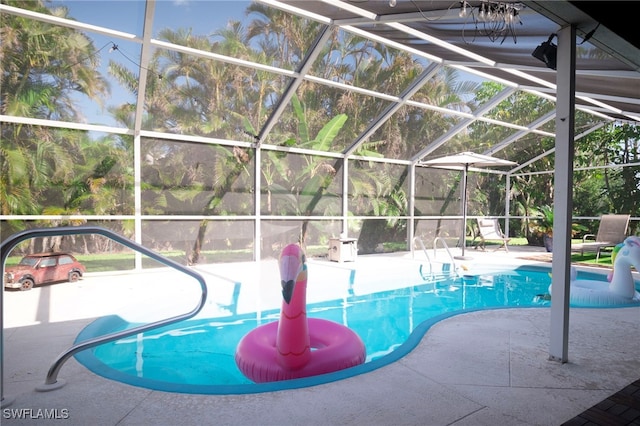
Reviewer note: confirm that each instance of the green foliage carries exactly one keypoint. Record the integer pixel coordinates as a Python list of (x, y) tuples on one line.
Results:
[(609, 189), (543, 223)]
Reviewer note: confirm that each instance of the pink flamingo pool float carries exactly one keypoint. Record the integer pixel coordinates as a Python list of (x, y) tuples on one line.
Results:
[(296, 346)]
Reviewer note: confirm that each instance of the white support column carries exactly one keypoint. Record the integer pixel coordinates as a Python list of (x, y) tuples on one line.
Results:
[(507, 203), (411, 226), (137, 197), (345, 196), (145, 57), (257, 222), (563, 195)]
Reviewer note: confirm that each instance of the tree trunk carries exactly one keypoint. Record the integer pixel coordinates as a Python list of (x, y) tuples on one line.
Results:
[(242, 159), (337, 166), (194, 257)]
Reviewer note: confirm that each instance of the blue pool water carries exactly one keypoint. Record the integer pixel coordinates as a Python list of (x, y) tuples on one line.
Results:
[(197, 356)]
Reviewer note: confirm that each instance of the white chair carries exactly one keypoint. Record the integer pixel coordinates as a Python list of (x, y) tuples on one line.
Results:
[(488, 230), (612, 231)]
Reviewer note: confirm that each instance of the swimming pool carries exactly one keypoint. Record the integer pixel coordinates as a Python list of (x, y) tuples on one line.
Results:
[(390, 315)]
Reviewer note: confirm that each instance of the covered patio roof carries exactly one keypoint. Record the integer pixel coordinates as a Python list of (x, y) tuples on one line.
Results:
[(460, 34), (473, 36)]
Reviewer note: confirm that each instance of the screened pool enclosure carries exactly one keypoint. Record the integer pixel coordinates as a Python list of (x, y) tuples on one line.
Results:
[(239, 127)]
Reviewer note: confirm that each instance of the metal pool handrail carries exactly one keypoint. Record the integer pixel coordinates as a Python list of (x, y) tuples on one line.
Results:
[(51, 381), (445, 246), (418, 240), (424, 250)]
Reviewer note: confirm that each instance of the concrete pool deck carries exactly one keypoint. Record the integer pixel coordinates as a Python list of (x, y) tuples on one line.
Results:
[(488, 367)]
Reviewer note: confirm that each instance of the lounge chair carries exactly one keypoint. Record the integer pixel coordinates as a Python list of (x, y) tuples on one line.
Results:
[(489, 229), (612, 231)]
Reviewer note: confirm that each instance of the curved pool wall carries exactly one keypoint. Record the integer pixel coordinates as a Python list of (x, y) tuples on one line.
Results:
[(104, 325), (95, 365)]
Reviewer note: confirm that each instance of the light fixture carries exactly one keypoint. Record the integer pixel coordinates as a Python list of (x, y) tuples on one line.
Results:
[(463, 10), (547, 52), (392, 3), (493, 19)]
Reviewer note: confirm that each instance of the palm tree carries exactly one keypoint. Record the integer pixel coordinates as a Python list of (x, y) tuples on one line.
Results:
[(190, 95), (42, 67)]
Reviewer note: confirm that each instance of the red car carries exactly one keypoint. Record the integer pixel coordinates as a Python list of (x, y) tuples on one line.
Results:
[(42, 268)]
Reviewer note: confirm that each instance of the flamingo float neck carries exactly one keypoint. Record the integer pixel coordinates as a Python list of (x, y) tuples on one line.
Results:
[(292, 340)]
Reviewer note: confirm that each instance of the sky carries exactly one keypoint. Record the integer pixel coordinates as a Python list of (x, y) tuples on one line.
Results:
[(128, 15), (202, 16)]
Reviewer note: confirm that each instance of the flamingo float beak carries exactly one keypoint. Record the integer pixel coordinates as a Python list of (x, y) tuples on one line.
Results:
[(292, 267), (287, 290)]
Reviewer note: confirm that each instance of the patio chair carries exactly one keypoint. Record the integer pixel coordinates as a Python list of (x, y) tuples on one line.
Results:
[(612, 231), (489, 229)]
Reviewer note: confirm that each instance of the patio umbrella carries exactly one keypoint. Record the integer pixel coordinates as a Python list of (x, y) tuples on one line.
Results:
[(464, 160)]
